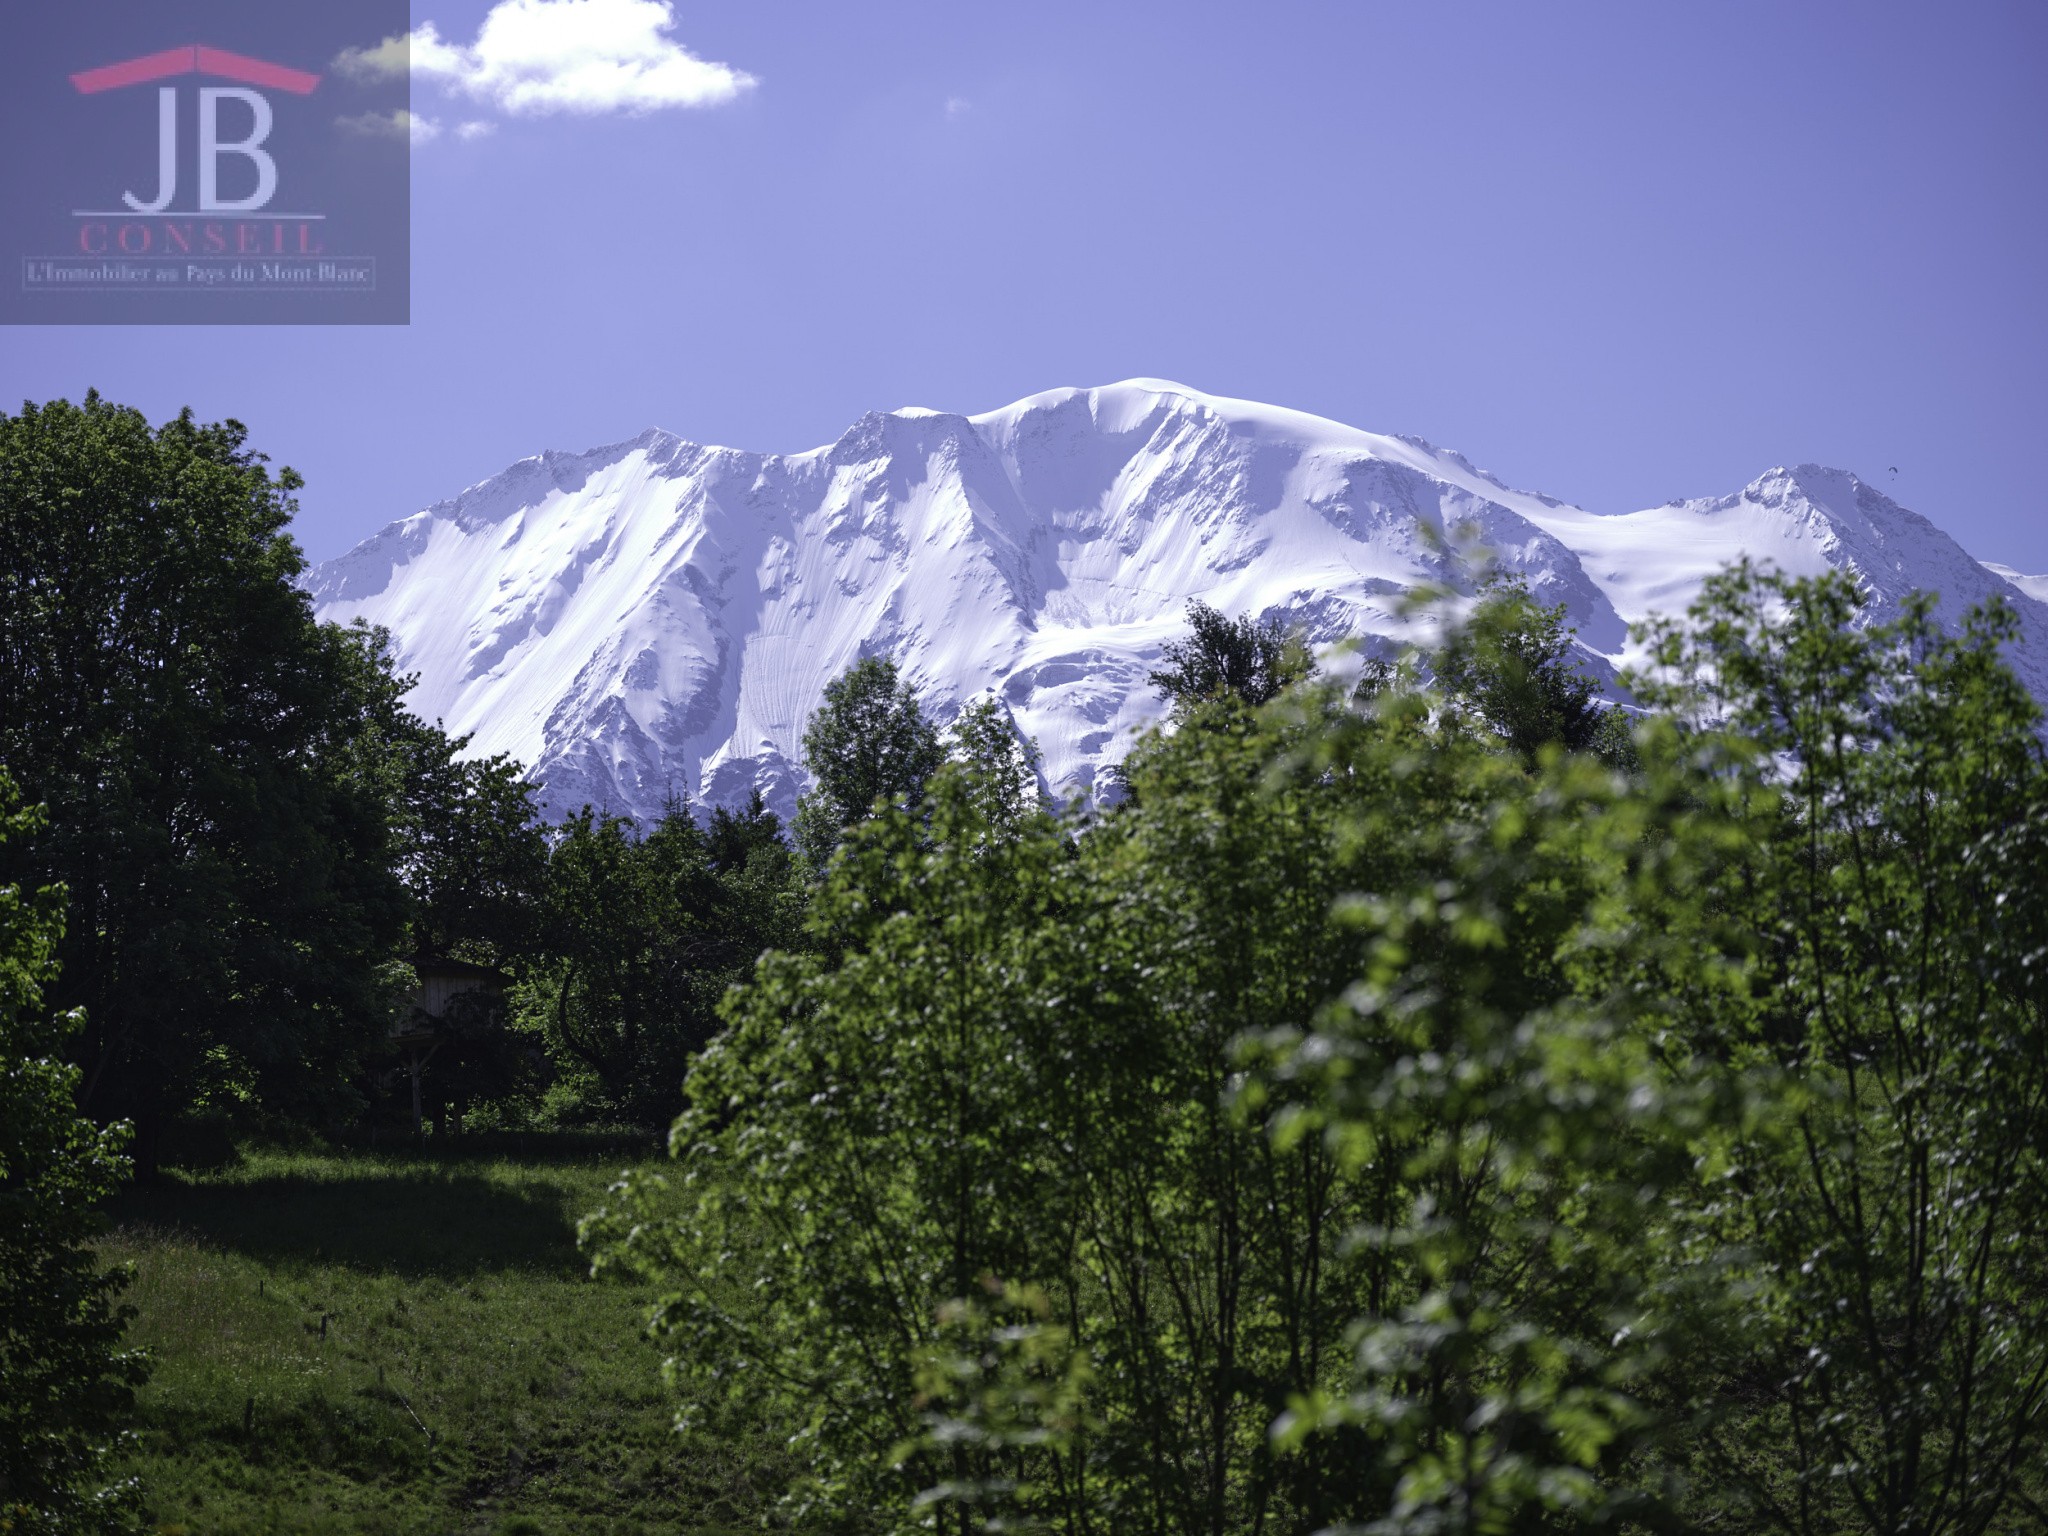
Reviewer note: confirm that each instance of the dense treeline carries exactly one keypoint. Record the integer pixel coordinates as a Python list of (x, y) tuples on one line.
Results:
[(250, 830), (239, 845), (645, 933), (1391, 1118), (256, 841)]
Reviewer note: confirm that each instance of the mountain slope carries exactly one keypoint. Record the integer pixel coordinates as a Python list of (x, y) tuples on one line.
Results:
[(658, 617)]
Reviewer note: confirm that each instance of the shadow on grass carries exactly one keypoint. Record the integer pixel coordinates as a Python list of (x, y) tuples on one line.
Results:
[(529, 1147), (410, 1219)]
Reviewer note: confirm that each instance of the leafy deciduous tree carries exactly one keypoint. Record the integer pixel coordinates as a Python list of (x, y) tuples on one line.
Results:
[(644, 935), (1248, 659), (165, 691), (65, 1380), (734, 838), (1509, 668), (869, 743), (1410, 1127), (1900, 1360)]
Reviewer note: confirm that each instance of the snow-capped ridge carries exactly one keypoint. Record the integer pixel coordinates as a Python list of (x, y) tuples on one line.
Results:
[(2035, 587), (659, 615)]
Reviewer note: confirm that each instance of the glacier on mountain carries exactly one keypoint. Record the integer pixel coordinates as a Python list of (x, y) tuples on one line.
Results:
[(659, 618)]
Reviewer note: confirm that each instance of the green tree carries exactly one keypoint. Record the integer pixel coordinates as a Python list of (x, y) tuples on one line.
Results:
[(65, 1380), (467, 846), (1249, 659), (999, 766), (1900, 1363), (643, 937), (472, 853), (1509, 669), (1531, 1361), (853, 1153), (868, 744), (1205, 913), (1021, 1062), (1001, 1391), (464, 836), (1406, 1129), (734, 839), (1013, 1059), (165, 691)]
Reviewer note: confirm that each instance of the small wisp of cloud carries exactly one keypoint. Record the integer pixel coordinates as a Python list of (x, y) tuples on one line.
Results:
[(958, 107), (395, 124), (534, 58)]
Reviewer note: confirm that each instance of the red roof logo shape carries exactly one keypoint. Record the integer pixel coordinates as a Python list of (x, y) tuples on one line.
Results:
[(194, 59)]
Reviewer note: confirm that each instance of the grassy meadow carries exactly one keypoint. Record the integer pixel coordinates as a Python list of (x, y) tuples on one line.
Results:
[(373, 1343)]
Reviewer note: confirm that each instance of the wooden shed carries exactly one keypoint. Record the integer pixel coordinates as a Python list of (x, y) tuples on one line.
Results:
[(418, 1035)]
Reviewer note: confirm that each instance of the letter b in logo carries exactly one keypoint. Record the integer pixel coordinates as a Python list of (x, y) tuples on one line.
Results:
[(211, 148)]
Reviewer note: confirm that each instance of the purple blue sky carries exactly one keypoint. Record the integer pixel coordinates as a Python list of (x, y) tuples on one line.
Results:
[(1616, 252)]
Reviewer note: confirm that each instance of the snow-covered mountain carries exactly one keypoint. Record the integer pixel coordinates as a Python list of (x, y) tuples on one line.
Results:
[(659, 617)]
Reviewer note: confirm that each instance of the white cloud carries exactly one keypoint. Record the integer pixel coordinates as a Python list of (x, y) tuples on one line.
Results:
[(958, 106), (476, 130), (389, 60), (533, 57), (396, 124)]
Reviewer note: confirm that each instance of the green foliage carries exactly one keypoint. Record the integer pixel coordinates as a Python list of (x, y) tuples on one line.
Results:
[(999, 768), (221, 812), (735, 838), (1242, 658), (868, 745), (1899, 1347), (999, 1382), (467, 847), (1208, 915), (65, 1377), (1525, 1368), (252, 828), (1508, 669), (1410, 1122), (466, 838), (1024, 1064), (871, 1162), (643, 934)]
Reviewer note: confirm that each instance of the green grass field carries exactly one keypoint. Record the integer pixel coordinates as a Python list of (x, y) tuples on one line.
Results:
[(393, 1343)]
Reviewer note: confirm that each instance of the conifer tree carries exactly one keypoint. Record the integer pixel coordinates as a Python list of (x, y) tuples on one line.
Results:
[(734, 838)]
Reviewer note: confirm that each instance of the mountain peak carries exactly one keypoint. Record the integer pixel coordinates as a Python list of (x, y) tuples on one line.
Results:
[(656, 615)]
